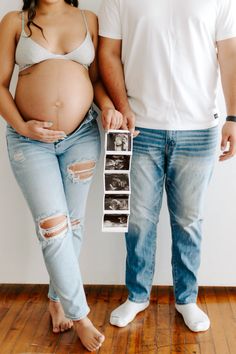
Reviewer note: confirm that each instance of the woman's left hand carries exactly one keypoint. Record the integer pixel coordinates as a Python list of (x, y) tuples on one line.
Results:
[(111, 119)]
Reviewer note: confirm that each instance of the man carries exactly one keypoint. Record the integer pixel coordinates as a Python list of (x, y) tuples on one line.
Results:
[(159, 61)]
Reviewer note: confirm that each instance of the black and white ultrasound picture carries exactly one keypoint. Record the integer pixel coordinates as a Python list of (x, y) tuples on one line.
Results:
[(116, 202), (117, 182), (116, 221), (120, 142), (117, 162)]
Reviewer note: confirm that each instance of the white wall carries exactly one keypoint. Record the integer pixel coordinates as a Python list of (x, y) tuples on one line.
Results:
[(103, 255)]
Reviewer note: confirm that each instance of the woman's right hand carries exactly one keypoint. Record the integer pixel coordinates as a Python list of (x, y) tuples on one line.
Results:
[(38, 130)]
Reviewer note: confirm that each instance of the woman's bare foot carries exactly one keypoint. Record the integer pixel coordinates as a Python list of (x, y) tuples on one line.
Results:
[(90, 337), (59, 321)]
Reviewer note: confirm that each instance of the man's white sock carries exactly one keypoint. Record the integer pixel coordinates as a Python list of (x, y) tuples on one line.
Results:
[(125, 313), (195, 319)]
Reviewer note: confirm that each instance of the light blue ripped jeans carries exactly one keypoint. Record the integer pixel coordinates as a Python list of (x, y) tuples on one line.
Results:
[(182, 163), (55, 180)]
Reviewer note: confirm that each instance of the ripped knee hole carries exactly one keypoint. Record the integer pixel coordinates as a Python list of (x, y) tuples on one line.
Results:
[(54, 226), (82, 170)]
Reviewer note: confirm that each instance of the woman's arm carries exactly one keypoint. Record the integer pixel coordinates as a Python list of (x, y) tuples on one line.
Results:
[(9, 27), (111, 118), (8, 109)]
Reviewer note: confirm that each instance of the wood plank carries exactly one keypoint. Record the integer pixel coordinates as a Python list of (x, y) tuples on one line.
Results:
[(228, 321), (135, 336), (8, 294), (44, 340), (39, 307), (232, 300), (186, 349), (16, 302), (207, 347), (121, 335), (116, 296), (163, 334), (14, 334), (218, 333), (204, 336), (149, 333)]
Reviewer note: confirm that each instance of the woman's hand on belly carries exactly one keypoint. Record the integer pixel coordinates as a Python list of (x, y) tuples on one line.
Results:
[(38, 130)]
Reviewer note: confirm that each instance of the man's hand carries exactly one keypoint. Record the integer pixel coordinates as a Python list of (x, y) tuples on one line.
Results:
[(129, 122), (111, 119), (228, 137)]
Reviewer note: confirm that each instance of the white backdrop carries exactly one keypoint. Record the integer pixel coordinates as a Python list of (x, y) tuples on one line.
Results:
[(103, 255)]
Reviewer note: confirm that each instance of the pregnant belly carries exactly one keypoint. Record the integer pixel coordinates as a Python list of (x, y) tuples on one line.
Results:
[(55, 90)]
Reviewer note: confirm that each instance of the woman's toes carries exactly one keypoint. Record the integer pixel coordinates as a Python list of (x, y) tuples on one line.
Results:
[(101, 338), (90, 337), (59, 321), (56, 329)]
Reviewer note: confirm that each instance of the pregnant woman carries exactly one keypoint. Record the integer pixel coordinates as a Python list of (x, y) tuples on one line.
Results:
[(53, 138)]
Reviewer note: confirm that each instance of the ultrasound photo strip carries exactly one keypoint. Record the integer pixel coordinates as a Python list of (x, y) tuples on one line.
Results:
[(117, 188), (118, 142)]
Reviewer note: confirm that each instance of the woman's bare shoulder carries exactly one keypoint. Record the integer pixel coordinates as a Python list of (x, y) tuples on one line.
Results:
[(11, 21), (91, 15), (92, 20), (14, 16)]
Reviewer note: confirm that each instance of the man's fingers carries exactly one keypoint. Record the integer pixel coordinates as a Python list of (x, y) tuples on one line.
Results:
[(228, 154), (107, 122), (224, 142), (136, 133), (113, 122), (131, 124), (124, 125), (120, 120)]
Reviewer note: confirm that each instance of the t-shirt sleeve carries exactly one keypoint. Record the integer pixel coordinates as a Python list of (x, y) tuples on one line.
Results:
[(109, 19), (226, 20)]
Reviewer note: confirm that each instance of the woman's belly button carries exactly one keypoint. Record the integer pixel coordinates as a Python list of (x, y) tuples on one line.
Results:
[(58, 104)]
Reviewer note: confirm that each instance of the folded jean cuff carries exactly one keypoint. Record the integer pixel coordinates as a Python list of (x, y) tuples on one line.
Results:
[(82, 315), (54, 299), (138, 301)]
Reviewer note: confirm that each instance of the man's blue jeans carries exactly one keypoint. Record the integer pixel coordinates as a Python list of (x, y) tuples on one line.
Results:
[(182, 161)]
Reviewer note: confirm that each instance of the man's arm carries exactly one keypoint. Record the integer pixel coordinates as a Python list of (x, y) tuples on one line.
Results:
[(111, 118), (227, 61), (111, 70)]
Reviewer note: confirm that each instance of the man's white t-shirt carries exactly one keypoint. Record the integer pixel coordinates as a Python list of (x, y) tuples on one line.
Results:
[(170, 58)]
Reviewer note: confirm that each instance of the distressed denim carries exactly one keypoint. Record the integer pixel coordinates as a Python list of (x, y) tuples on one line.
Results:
[(52, 186), (181, 162)]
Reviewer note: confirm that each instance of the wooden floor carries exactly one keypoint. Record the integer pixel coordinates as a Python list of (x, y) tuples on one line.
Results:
[(25, 324)]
